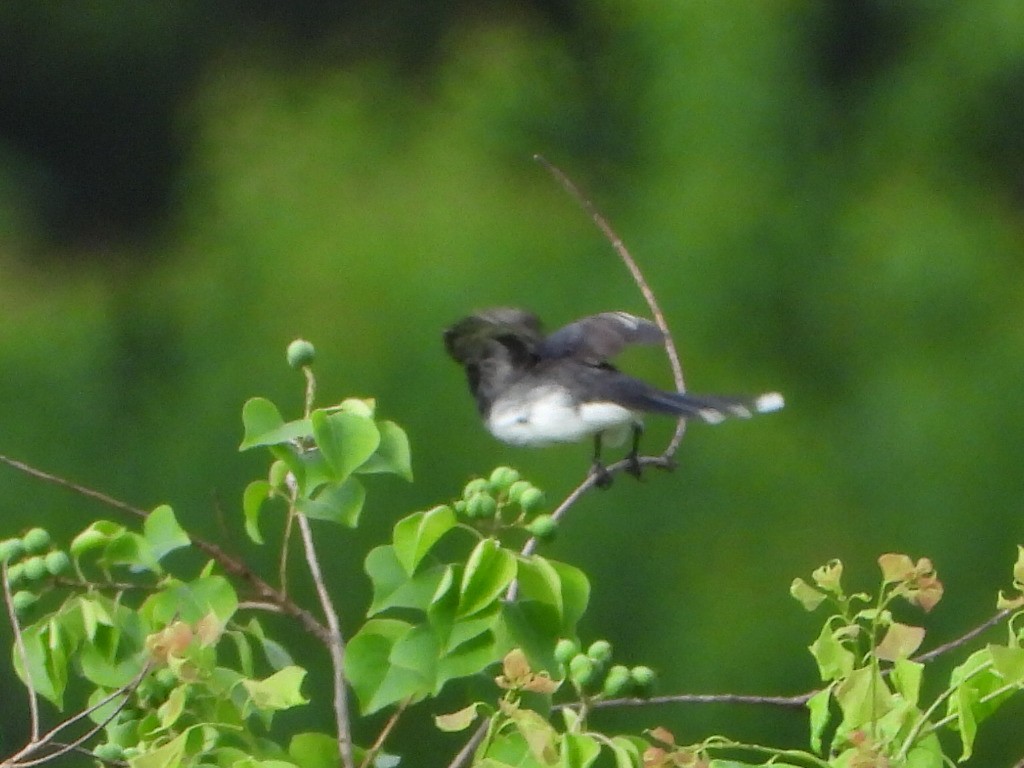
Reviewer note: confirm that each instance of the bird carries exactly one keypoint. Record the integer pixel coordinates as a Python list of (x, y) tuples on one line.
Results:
[(535, 390)]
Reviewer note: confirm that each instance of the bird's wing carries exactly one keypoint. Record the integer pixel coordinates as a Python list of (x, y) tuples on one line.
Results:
[(474, 337), (597, 338)]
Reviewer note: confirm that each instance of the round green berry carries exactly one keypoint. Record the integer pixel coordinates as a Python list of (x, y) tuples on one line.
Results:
[(644, 678), (301, 354), (565, 649), (582, 670), (531, 499), (57, 562), (481, 506), (36, 540), (517, 488), (618, 681), (15, 573), (22, 600), (543, 527), (600, 651), (35, 568), (11, 549), (501, 478), (475, 486)]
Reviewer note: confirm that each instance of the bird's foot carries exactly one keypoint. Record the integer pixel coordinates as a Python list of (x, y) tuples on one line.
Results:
[(602, 477), (633, 465), (668, 464)]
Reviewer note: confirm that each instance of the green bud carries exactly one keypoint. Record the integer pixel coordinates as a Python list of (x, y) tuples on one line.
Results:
[(301, 354), (57, 562), (644, 678), (36, 540), (481, 506), (565, 649), (35, 568), (502, 478), (475, 486), (516, 490), (582, 670), (600, 651), (15, 573), (22, 600), (618, 681), (531, 499), (543, 527), (11, 549)]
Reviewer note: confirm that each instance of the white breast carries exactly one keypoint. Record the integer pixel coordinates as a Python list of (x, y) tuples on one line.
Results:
[(550, 416)]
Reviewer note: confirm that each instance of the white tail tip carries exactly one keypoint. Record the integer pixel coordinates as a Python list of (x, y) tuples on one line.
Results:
[(768, 402)]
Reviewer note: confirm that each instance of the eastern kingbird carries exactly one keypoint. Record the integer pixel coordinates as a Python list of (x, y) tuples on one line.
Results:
[(535, 390)]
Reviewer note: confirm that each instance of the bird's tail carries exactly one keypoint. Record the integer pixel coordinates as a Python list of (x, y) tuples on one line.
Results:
[(710, 408)]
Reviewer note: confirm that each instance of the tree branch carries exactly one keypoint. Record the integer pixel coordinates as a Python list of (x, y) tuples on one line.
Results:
[(231, 565)]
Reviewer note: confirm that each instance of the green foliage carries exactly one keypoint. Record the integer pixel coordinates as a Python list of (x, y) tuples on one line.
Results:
[(178, 670)]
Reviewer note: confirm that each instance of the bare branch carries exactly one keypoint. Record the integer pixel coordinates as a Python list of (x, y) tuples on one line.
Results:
[(336, 644), (19, 642), (664, 461), (15, 761), (966, 637), (466, 753), (371, 753), (231, 565)]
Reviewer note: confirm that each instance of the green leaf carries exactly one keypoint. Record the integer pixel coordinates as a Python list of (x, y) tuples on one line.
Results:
[(975, 681), (377, 679), (162, 532), (277, 656), (345, 440), (169, 712), (575, 595), (834, 660), (169, 755), (906, 679), (863, 697), (454, 722), (95, 536), (336, 503), (579, 750), (264, 426), (256, 492), (626, 753), (1008, 662), (314, 750), (900, 641), (392, 587), (489, 571), (808, 596), (392, 455), (538, 580), (279, 691), (47, 670), (191, 601), (818, 706), (131, 550), (417, 533)]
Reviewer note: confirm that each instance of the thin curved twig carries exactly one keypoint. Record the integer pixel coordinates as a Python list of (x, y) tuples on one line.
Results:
[(230, 565), (19, 644), (663, 460), (336, 644)]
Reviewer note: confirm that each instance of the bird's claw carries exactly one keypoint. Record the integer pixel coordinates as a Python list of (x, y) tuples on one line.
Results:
[(633, 465), (602, 477)]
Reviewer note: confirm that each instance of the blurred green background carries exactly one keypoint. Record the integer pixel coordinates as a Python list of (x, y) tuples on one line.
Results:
[(825, 196)]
